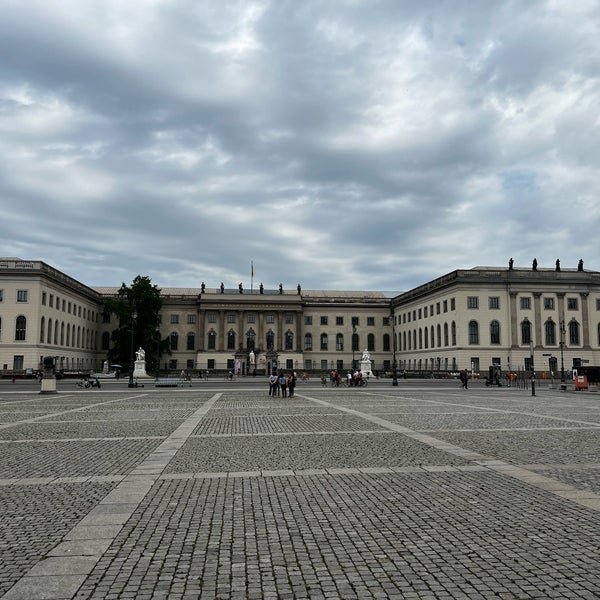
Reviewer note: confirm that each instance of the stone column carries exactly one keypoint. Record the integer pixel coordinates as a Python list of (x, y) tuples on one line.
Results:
[(221, 332), (514, 325), (201, 330), (537, 318), (279, 339), (585, 320)]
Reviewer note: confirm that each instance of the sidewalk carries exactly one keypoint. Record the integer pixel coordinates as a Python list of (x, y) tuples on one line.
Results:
[(417, 492)]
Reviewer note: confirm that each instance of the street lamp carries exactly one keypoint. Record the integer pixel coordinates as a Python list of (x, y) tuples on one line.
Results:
[(353, 344), (563, 383), (131, 384), (157, 351)]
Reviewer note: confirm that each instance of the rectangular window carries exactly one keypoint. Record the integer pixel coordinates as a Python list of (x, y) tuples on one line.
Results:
[(174, 319), (549, 303), (289, 318), (69, 308), (191, 319), (386, 321), (437, 308), (472, 302), (22, 295), (339, 321), (251, 318), (597, 301), (370, 321), (307, 320), (572, 303), (420, 313), (494, 302), (425, 312), (308, 364), (18, 362), (525, 303), (452, 304), (212, 317), (323, 320), (231, 318), (51, 301), (324, 364), (43, 298), (324, 341), (270, 319), (63, 305), (210, 363), (355, 321), (445, 306)]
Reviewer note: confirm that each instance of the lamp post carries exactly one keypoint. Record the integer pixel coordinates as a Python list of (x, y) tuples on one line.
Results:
[(157, 351), (353, 345), (131, 384), (563, 383)]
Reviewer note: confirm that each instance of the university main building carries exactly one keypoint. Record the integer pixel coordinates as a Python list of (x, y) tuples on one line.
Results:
[(466, 319)]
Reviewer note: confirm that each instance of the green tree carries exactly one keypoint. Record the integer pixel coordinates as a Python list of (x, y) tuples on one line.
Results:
[(143, 300)]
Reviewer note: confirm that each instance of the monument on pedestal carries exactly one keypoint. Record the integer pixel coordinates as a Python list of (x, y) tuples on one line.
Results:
[(365, 364), (140, 364)]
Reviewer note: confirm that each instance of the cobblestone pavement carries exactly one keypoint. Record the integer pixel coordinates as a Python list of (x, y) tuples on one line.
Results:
[(414, 492)]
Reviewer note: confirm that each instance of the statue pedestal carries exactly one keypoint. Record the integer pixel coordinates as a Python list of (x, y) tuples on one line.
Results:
[(48, 385), (365, 368), (140, 369)]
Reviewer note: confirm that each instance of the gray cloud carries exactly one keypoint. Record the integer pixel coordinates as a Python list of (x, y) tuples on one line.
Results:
[(340, 144)]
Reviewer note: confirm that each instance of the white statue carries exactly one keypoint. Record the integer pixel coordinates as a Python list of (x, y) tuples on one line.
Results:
[(252, 357), (366, 356), (140, 354)]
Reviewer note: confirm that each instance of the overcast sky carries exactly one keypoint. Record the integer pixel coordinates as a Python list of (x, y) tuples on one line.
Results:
[(343, 144)]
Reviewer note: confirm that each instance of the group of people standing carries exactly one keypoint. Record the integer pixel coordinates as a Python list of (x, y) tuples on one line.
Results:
[(282, 383)]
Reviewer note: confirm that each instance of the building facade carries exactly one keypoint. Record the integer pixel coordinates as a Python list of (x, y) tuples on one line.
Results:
[(466, 319), (472, 319)]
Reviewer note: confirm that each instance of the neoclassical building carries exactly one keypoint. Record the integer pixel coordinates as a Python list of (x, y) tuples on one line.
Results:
[(469, 318)]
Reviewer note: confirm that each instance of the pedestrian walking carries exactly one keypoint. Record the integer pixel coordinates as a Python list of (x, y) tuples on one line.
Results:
[(272, 383), (464, 379)]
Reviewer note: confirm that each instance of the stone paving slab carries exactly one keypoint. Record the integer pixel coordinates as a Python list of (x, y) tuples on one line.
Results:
[(268, 510), (433, 535), (73, 458), (304, 451), (252, 424)]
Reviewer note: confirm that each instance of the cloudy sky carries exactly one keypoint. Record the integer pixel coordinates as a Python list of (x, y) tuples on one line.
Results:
[(342, 144)]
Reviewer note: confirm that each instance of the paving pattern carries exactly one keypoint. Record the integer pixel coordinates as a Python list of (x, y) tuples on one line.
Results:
[(412, 492)]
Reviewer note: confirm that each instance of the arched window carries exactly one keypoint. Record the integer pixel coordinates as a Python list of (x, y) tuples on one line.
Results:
[(56, 333), (250, 340), (62, 333), (495, 332), (324, 341), (386, 342), (78, 337), (190, 341), (289, 340), (68, 334), (371, 342), (49, 332), (415, 339), (453, 333), (439, 336), (20, 328), (599, 334), (212, 340), (355, 342), (445, 334), (174, 339), (409, 341), (574, 333), (231, 340), (105, 340), (550, 333), (404, 346), (339, 342), (42, 329), (426, 337), (526, 333), (308, 341), (270, 340), (473, 332), (420, 338), (432, 333)]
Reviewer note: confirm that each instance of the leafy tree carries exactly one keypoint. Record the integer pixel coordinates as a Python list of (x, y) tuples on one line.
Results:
[(143, 299)]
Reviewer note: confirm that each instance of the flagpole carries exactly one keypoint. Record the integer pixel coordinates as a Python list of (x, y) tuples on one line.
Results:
[(251, 276)]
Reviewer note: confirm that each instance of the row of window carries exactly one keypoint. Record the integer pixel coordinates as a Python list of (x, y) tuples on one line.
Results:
[(426, 337), (56, 333), (424, 312), (288, 319), (69, 307), (525, 303), (269, 341)]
